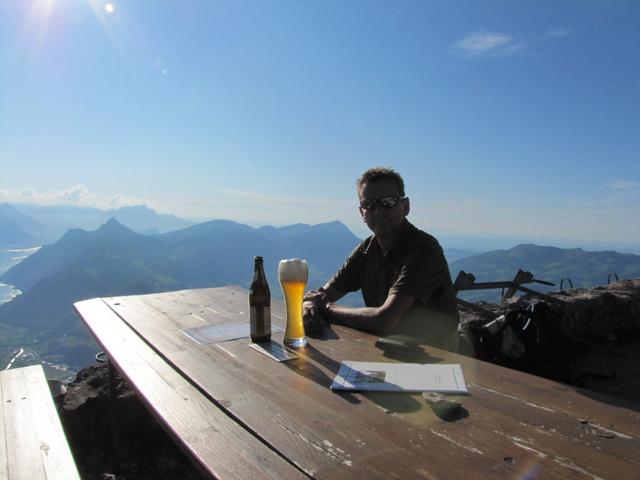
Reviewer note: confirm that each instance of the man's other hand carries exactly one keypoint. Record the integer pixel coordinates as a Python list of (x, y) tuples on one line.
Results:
[(315, 296), (312, 317)]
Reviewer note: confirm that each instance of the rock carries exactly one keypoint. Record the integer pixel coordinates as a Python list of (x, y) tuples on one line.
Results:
[(601, 314), (592, 337), (144, 450), (445, 408)]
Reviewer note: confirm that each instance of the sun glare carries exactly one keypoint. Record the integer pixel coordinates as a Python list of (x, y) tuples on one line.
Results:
[(37, 22), (109, 8)]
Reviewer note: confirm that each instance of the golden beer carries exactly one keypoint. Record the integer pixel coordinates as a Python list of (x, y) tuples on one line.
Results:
[(293, 275)]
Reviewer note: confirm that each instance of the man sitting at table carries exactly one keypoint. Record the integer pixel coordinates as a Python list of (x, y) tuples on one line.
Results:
[(400, 269)]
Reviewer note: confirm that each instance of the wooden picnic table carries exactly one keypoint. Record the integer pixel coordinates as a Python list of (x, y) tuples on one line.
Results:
[(514, 425)]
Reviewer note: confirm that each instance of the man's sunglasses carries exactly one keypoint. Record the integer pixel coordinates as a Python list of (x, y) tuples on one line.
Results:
[(384, 202)]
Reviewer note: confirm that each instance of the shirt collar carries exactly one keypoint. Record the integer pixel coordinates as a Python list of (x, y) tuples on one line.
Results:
[(399, 245)]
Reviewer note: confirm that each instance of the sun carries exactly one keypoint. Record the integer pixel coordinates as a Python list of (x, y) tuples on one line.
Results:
[(109, 8)]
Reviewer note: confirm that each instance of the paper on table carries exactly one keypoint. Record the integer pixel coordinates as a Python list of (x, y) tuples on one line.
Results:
[(221, 332), (400, 377), (274, 350)]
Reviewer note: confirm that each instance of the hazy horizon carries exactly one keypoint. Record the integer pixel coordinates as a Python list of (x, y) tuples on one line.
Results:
[(464, 241), (514, 120)]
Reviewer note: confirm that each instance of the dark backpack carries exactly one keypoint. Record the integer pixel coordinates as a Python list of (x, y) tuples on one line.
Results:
[(516, 340)]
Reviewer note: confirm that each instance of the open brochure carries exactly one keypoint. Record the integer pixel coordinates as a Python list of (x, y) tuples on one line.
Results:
[(400, 377)]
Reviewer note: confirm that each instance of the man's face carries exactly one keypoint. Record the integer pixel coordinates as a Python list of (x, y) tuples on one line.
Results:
[(382, 220)]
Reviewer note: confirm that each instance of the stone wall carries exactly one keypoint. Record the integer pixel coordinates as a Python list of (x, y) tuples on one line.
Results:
[(608, 314)]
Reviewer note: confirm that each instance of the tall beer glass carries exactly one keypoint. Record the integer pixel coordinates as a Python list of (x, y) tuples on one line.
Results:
[(293, 275)]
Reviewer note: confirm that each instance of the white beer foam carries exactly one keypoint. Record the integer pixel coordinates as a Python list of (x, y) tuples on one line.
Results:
[(293, 270)]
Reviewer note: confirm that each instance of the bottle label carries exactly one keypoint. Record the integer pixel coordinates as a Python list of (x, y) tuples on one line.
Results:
[(260, 321)]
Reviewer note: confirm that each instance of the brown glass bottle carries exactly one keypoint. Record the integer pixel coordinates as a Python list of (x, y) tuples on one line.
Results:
[(259, 304)]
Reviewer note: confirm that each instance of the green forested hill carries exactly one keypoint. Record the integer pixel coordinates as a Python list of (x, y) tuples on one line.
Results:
[(114, 260), (583, 268)]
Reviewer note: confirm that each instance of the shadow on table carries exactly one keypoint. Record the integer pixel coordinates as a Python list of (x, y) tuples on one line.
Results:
[(325, 333), (303, 366), (411, 355), (400, 402), (395, 402)]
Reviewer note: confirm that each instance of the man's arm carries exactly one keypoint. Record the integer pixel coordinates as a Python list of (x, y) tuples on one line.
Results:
[(378, 320)]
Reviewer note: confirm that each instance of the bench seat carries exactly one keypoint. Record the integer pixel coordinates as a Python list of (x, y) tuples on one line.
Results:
[(33, 445)]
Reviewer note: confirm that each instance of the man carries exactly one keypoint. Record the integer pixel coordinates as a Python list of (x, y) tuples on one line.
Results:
[(400, 269)]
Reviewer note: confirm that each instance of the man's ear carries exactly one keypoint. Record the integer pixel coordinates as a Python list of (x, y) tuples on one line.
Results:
[(361, 210), (407, 206)]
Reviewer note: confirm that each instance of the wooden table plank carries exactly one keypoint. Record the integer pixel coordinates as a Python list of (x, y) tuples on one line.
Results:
[(220, 447), (529, 421), (36, 445)]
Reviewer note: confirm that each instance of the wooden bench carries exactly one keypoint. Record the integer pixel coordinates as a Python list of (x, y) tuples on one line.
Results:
[(32, 443), (217, 444)]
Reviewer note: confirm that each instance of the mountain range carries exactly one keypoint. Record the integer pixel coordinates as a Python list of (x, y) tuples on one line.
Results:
[(24, 225), (18, 229), (114, 260)]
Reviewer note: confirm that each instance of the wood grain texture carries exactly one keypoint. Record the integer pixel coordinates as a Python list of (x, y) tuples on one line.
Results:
[(516, 424), (34, 442), (219, 446)]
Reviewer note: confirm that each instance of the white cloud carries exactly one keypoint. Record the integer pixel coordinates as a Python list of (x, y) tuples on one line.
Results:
[(488, 44), (483, 42), (78, 195), (75, 194), (121, 200), (497, 44)]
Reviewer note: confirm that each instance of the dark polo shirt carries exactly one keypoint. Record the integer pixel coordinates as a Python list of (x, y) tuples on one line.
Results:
[(414, 266)]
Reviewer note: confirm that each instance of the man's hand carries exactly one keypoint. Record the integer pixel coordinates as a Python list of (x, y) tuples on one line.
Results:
[(315, 308), (315, 296), (312, 305), (313, 320)]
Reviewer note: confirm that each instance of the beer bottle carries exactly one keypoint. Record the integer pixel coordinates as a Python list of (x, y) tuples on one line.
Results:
[(259, 304)]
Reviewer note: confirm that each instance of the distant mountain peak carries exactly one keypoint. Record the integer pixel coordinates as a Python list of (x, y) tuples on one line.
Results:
[(143, 219), (335, 225), (113, 226), (140, 208), (112, 223)]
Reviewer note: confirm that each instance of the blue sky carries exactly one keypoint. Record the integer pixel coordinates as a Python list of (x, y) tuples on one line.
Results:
[(504, 117)]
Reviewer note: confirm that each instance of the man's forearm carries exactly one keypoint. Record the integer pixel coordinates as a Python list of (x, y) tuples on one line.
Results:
[(369, 319), (378, 320)]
